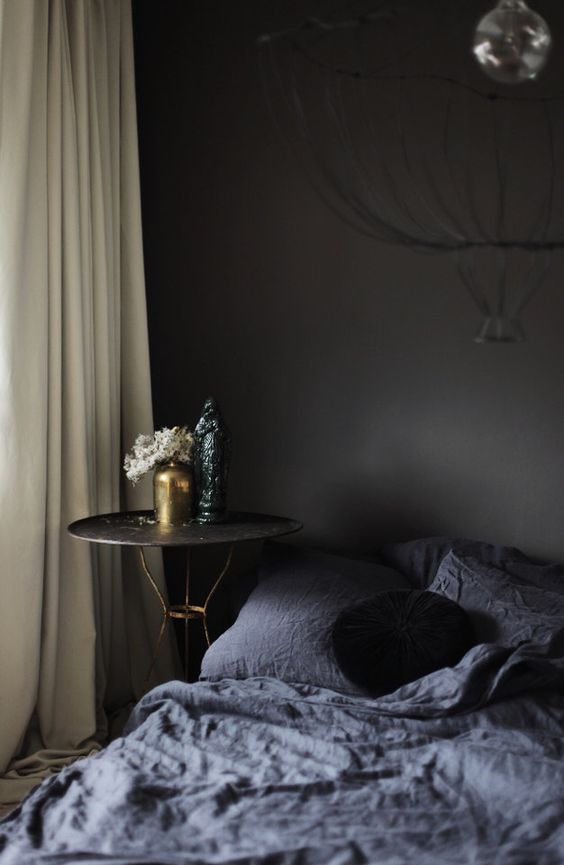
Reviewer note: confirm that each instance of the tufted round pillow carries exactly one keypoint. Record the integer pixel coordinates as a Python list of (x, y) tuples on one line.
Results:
[(396, 637)]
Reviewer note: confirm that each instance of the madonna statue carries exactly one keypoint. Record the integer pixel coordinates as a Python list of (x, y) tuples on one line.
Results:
[(212, 453)]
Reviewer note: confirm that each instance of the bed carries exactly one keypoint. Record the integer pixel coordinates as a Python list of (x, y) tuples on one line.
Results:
[(251, 765)]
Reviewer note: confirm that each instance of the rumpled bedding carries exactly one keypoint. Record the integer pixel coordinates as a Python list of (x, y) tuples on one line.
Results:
[(463, 766)]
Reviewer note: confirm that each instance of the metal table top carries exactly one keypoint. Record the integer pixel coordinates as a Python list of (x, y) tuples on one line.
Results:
[(138, 528)]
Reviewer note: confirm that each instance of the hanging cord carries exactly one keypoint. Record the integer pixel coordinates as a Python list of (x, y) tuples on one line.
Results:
[(534, 281), (501, 186), (336, 108), (544, 220), (467, 273), (447, 148), (366, 115), (416, 186), (290, 105), (501, 268)]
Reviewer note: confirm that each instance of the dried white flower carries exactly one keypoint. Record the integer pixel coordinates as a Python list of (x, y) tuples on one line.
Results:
[(164, 446)]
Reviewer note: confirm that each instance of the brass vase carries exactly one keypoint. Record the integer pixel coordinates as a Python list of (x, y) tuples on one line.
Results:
[(173, 493)]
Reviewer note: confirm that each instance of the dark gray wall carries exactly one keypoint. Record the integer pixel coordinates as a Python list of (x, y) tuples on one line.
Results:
[(346, 369)]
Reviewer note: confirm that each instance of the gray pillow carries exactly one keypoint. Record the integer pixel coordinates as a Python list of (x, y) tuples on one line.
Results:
[(284, 628), (501, 610), (420, 559), (549, 577)]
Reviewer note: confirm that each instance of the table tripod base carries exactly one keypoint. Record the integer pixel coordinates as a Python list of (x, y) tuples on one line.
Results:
[(184, 612)]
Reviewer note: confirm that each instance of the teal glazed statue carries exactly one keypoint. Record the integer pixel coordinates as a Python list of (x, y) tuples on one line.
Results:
[(212, 454)]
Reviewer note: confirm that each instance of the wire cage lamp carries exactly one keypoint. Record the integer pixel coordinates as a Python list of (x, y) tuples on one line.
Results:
[(446, 140)]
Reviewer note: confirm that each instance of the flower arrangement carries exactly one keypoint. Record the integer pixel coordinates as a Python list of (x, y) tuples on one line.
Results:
[(164, 446)]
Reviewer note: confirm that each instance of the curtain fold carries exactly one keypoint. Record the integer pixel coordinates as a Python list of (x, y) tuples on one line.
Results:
[(76, 623)]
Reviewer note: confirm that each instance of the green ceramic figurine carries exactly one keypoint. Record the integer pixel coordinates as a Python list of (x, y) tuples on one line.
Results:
[(212, 453)]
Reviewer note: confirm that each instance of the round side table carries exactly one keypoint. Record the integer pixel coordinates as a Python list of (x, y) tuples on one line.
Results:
[(139, 529)]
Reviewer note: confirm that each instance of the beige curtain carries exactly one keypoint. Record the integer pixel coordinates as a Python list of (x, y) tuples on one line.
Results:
[(75, 629)]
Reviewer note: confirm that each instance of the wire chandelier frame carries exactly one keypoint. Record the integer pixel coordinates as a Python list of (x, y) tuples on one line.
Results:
[(407, 142)]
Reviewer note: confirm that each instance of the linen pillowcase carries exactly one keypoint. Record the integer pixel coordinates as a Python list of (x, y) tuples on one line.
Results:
[(501, 610), (549, 577), (420, 559), (284, 628), (274, 553)]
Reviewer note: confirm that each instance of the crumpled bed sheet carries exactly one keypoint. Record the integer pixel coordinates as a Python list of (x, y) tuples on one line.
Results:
[(463, 766)]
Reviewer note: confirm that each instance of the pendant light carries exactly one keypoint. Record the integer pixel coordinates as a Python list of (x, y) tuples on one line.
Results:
[(512, 43)]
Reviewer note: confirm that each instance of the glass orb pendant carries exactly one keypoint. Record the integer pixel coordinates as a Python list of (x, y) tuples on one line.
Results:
[(512, 43)]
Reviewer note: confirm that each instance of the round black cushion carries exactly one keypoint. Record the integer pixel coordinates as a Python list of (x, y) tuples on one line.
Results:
[(398, 636)]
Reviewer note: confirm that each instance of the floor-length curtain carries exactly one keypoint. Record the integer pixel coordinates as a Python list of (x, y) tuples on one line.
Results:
[(75, 628)]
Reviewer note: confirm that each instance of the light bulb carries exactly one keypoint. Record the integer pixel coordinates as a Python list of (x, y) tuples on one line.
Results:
[(512, 43)]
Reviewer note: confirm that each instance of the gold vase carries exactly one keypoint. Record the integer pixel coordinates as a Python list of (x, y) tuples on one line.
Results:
[(173, 493)]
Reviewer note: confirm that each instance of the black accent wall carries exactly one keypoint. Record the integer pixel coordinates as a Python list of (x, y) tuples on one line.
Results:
[(346, 369)]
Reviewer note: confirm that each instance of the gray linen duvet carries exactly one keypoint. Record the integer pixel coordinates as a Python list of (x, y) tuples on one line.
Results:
[(463, 766)]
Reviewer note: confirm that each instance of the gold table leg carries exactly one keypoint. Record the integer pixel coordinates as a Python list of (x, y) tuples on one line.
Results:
[(185, 611), (212, 591), (163, 623)]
